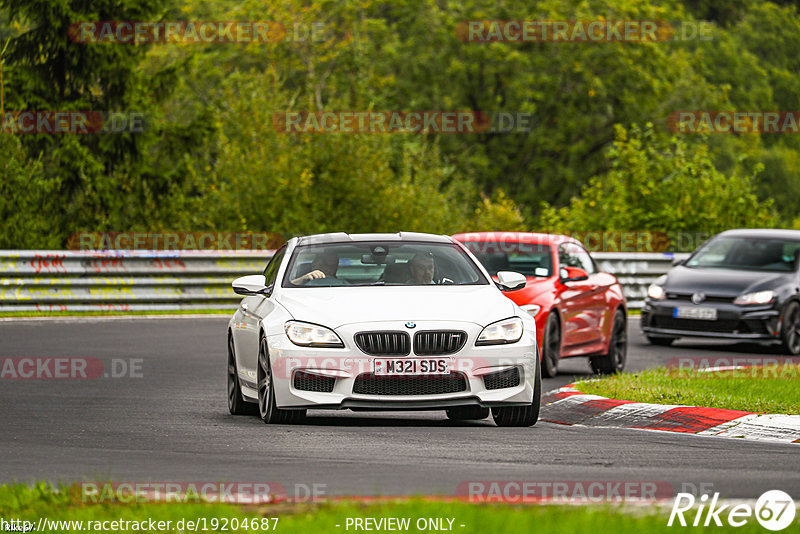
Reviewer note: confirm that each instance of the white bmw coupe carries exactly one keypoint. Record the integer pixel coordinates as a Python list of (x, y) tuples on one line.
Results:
[(403, 321)]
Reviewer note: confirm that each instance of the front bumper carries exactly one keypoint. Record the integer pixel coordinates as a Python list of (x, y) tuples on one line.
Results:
[(344, 377), (755, 323)]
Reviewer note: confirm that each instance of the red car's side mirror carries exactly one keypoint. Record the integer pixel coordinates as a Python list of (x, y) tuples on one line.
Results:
[(573, 274)]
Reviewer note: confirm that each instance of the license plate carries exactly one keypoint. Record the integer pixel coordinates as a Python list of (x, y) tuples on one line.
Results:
[(409, 367), (692, 312)]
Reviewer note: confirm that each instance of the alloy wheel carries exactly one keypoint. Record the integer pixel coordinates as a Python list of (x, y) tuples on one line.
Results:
[(620, 348), (232, 378), (552, 348), (793, 329), (264, 382)]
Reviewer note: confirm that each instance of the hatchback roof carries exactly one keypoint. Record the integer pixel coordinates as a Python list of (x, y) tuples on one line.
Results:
[(762, 233)]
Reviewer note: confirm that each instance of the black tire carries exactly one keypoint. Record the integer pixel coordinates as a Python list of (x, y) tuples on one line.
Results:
[(551, 346), (522, 415), (467, 413), (614, 360), (790, 329), (236, 403), (267, 408), (661, 341)]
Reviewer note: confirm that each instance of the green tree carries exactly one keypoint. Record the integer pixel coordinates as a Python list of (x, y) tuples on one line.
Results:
[(26, 198), (120, 181), (210, 158), (263, 180), (659, 183)]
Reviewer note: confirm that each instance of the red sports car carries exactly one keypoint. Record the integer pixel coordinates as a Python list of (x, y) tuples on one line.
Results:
[(579, 310)]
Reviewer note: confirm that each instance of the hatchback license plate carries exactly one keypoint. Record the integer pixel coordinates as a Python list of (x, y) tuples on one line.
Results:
[(690, 312), (405, 366)]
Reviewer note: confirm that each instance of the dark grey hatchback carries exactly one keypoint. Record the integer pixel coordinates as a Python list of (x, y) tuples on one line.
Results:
[(740, 284)]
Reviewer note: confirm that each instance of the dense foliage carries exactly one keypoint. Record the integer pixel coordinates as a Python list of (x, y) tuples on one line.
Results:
[(598, 156)]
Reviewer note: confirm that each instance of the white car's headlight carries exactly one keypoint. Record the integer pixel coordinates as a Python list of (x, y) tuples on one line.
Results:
[(759, 297), (312, 335), (533, 309), (505, 331), (656, 292)]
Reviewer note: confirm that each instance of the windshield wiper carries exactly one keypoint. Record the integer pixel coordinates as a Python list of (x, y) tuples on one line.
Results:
[(378, 283)]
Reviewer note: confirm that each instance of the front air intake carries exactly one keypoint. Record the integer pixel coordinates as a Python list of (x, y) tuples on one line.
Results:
[(370, 384), (502, 379), (310, 382)]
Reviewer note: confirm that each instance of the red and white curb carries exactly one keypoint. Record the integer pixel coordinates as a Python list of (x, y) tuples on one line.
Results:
[(568, 406)]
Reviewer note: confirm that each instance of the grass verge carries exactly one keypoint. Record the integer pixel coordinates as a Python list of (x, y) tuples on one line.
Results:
[(32, 503), (773, 389)]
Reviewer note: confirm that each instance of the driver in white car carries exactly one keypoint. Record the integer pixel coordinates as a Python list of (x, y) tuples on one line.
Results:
[(421, 268)]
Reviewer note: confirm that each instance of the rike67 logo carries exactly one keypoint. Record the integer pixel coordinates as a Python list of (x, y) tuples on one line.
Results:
[(774, 510)]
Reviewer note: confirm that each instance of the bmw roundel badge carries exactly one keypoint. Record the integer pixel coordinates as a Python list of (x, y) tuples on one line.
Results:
[(410, 324)]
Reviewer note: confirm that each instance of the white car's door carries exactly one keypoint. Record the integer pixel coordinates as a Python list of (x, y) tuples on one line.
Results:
[(251, 311)]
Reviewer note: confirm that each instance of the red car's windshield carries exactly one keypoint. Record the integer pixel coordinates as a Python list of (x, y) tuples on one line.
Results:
[(530, 259)]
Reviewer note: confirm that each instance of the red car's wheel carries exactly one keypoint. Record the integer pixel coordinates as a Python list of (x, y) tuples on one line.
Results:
[(614, 360), (551, 346)]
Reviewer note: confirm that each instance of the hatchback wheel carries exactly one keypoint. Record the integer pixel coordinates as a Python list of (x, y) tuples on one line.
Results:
[(790, 329)]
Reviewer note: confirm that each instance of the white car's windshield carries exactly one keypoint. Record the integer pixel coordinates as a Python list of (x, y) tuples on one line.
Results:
[(381, 263), (747, 253)]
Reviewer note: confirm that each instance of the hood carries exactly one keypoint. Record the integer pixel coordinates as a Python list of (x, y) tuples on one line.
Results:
[(337, 306), (535, 286), (722, 282)]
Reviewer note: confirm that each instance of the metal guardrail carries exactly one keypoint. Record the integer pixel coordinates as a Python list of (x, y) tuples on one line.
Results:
[(124, 280), (636, 271), (47, 280)]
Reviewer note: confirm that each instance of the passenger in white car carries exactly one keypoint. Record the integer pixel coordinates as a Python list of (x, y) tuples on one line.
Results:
[(325, 265)]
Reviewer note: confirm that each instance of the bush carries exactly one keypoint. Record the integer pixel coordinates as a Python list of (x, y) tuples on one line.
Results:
[(661, 183)]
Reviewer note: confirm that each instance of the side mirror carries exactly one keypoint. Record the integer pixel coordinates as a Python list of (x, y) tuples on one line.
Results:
[(254, 284), (511, 281), (573, 274)]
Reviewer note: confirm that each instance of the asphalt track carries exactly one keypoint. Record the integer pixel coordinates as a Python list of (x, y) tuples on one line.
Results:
[(172, 424)]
